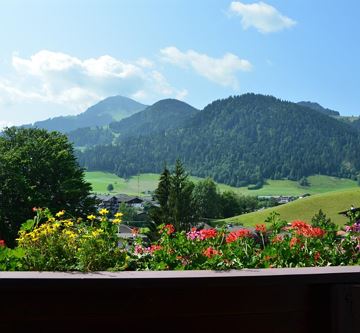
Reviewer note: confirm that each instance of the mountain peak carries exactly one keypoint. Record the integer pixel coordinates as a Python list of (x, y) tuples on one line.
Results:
[(172, 103), (110, 109), (161, 116)]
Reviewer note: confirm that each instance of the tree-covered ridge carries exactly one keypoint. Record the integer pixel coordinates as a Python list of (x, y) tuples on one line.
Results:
[(161, 116), (87, 136), (318, 107), (103, 113), (240, 140)]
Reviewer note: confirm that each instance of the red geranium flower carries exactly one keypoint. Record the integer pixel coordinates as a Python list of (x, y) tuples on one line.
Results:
[(294, 241), (317, 256), (234, 235), (304, 229), (207, 233), (277, 239), (2, 243), (261, 228), (154, 248), (210, 252), (169, 228)]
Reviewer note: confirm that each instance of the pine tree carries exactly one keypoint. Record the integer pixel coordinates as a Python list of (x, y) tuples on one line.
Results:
[(181, 208), (162, 193)]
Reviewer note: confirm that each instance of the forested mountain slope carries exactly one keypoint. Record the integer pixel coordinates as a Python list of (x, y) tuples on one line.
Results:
[(161, 116), (240, 140)]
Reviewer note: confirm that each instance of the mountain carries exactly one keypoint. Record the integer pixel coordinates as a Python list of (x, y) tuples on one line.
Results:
[(103, 113), (240, 140), (161, 116), (319, 108)]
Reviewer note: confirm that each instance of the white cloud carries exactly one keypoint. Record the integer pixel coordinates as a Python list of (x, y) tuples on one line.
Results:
[(220, 70), (144, 62), (261, 16), (63, 80)]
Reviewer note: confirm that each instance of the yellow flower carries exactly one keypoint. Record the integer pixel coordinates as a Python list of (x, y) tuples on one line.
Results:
[(69, 233), (97, 232), (91, 217), (68, 223), (59, 214), (103, 211), (118, 215), (116, 221)]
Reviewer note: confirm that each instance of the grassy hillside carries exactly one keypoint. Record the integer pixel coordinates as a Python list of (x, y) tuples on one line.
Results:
[(318, 184), (331, 203), (134, 186), (148, 182)]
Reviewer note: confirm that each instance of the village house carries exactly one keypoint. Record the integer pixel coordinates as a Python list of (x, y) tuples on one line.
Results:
[(113, 202)]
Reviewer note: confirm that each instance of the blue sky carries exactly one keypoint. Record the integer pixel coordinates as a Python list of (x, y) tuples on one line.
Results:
[(58, 57)]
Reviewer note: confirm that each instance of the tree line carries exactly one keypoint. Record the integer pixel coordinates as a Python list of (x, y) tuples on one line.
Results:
[(183, 203)]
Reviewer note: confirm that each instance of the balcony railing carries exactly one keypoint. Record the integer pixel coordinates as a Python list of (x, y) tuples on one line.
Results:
[(266, 300)]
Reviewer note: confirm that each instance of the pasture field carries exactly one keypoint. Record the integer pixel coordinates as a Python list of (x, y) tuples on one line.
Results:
[(304, 209), (139, 185)]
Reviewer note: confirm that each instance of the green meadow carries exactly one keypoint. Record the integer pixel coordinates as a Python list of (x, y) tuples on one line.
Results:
[(331, 204), (137, 185)]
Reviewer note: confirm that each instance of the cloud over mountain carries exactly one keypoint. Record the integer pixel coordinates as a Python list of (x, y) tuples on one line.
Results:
[(65, 80)]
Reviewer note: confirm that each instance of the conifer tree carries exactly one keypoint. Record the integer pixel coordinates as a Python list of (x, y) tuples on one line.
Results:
[(162, 193), (181, 208)]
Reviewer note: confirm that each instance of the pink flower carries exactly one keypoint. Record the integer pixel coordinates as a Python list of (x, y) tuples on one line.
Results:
[(193, 234), (138, 249)]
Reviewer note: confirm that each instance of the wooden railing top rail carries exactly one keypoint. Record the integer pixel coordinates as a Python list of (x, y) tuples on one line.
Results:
[(339, 274)]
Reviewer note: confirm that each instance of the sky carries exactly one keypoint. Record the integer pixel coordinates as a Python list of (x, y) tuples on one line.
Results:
[(58, 57)]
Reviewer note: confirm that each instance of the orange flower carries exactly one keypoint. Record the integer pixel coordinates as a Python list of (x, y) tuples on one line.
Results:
[(135, 231)]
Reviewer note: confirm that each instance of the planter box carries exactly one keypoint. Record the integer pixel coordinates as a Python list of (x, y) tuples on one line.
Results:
[(267, 300)]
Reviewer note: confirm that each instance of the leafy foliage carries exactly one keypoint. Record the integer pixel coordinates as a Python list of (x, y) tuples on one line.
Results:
[(38, 169), (207, 199)]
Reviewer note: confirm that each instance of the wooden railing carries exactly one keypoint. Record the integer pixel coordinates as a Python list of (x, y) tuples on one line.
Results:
[(272, 300)]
